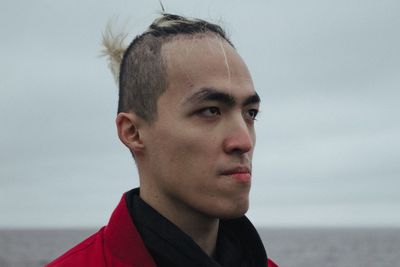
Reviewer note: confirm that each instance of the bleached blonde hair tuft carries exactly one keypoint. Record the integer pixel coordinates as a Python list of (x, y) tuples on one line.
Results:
[(114, 47)]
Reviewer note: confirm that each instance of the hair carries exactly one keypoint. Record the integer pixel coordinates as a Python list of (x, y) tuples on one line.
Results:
[(140, 69)]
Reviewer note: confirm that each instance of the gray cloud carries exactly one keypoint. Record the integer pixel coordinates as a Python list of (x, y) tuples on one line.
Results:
[(328, 74)]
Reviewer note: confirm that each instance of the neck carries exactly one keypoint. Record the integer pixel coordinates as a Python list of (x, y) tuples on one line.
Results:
[(203, 232), (202, 229)]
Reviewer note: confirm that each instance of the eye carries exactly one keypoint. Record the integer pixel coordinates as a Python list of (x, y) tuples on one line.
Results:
[(252, 114), (210, 112)]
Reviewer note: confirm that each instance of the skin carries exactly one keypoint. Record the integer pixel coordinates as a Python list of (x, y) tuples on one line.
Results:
[(194, 160)]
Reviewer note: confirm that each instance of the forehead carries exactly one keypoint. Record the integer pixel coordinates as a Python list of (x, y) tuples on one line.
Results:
[(202, 61)]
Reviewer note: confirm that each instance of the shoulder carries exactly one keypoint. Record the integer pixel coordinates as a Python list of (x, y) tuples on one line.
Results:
[(89, 252), (270, 263)]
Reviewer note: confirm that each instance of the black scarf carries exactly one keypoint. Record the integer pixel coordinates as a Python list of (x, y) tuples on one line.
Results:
[(238, 243)]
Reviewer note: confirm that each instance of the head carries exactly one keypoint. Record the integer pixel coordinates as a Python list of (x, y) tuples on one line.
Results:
[(186, 111)]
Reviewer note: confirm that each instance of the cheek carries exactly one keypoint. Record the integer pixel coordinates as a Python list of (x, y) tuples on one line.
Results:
[(190, 137), (184, 149)]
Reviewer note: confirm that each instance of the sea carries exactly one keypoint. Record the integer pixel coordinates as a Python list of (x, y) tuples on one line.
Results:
[(288, 247)]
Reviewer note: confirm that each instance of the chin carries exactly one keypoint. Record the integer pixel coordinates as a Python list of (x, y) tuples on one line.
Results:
[(233, 212)]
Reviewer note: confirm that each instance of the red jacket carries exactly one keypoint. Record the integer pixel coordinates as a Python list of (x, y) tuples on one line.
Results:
[(118, 245)]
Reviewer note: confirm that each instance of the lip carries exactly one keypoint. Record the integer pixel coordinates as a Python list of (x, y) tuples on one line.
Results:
[(240, 174)]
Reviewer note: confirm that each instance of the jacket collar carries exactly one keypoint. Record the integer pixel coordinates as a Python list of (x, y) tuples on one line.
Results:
[(123, 240)]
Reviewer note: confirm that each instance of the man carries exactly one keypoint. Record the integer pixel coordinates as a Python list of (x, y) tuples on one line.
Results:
[(186, 112)]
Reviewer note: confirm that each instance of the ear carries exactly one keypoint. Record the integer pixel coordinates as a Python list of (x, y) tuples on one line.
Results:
[(128, 126)]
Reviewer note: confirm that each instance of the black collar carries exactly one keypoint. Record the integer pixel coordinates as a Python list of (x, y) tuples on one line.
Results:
[(238, 244)]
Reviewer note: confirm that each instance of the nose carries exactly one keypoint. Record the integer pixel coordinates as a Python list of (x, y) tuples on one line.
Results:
[(240, 138)]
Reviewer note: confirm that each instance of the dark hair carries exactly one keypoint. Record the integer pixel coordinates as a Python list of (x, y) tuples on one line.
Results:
[(142, 75)]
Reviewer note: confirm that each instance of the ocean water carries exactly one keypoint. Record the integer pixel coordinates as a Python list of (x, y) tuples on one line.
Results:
[(344, 247), (327, 247)]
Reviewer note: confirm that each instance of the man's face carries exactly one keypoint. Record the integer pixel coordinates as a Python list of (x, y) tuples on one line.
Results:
[(199, 149)]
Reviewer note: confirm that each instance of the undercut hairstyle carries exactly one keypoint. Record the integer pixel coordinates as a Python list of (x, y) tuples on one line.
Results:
[(140, 69)]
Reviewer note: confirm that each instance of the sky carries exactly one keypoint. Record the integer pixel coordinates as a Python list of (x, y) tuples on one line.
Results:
[(328, 136)]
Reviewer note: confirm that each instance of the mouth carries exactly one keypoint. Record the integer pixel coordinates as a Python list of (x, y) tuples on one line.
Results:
[(240, 174)]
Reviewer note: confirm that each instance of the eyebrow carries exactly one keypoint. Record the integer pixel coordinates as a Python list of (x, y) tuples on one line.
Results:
[(253, 99), (212, 94)]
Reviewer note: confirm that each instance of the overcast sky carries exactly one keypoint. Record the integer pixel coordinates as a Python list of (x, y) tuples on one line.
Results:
[(328, 137)]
